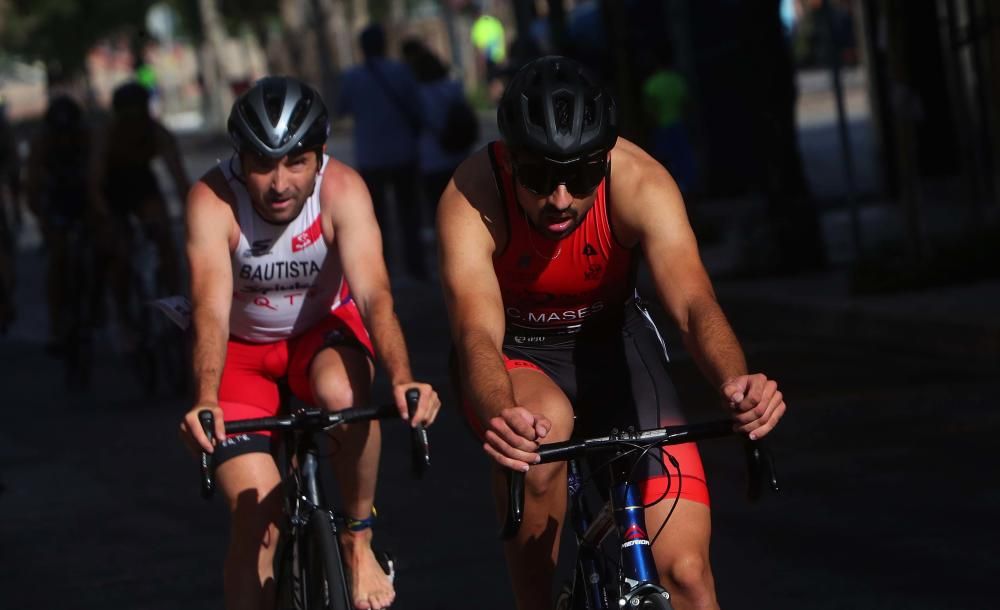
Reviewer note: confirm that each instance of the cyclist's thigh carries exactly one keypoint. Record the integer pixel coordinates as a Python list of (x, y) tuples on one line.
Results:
[(248, 390), (332, 364), (249, 479), (339, 377)]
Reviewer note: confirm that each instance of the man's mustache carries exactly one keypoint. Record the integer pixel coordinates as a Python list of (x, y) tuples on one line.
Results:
[(276, 196)]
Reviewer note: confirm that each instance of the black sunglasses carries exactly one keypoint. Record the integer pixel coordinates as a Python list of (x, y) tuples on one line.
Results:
[(543, 176)]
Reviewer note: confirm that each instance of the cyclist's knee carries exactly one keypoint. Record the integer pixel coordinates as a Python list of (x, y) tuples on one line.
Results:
[(541, 481), (690, 580), (333, 393)]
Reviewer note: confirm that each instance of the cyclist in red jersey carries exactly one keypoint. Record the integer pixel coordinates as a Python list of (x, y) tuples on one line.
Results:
[(540, 237), (288, 281)]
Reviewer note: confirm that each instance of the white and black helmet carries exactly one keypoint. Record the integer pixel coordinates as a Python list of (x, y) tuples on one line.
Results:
[(279, 115)]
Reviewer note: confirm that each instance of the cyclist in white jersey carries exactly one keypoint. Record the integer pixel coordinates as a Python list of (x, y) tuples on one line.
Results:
[(288, 281)]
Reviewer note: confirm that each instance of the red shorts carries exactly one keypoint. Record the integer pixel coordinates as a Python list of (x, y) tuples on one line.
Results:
[(690, 485), (249, 386)]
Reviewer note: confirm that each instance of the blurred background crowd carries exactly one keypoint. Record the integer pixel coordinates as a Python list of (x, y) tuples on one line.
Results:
[(797, 104)]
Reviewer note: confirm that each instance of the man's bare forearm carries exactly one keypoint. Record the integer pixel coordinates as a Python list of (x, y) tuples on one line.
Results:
[(483, 374), (211, 333), (712, 343), (387, 338)]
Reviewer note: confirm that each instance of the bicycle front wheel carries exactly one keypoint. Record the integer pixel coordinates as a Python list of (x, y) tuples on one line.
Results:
[(327, 588), (288, 571)]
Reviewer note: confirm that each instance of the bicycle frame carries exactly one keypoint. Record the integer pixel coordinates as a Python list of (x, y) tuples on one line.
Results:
[(304, 503), (638, 580), (624, 513)]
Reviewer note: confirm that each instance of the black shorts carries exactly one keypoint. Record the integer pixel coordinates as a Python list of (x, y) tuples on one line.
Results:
[(615, 376)]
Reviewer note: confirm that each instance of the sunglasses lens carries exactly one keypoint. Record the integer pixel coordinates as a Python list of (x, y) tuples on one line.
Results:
[(536, 177), (585, 177)]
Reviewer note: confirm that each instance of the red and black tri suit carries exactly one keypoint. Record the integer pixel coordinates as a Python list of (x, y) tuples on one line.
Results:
[(573, 314)]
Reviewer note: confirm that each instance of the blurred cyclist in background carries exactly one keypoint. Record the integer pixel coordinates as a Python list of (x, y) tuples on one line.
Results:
[(126, 185), (58, 195)]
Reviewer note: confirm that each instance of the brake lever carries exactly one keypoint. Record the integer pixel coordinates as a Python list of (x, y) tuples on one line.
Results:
[(420, 450), (760, 465), (515, 504), (207, 421)]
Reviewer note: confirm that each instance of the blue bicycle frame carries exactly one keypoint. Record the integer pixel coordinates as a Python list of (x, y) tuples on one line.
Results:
[(624, 513)]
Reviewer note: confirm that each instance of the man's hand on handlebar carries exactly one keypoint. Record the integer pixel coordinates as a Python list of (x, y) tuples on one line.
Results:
[(756, 402), (192, 434), (513, 436), (427, 408)]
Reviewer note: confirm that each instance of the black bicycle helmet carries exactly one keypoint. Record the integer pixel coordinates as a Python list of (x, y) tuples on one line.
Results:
[(277, 116), (555, 107)]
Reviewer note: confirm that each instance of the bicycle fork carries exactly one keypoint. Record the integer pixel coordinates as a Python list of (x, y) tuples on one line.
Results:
[(639, 578)]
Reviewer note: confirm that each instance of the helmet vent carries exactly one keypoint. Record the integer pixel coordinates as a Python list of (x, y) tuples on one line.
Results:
[(299, 114), (536, 114), (253, 121), (589, 113), (562, 103), (274, 102)]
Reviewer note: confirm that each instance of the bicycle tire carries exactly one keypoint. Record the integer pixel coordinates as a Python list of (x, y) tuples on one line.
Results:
[(288, 573), (328, 588)]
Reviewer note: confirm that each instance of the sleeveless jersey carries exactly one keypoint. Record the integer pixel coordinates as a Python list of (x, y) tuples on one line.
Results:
[(560, 285), (285, 279)]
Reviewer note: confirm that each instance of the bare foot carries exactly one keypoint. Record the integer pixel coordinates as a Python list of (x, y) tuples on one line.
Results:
[(370, 586)]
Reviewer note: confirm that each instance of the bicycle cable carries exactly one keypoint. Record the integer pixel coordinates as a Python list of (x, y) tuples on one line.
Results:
[(677, 499), (634, 447), (605, 555)]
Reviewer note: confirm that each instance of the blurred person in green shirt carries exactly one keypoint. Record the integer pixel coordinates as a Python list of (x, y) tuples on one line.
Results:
[(490, 40), (664, 100)]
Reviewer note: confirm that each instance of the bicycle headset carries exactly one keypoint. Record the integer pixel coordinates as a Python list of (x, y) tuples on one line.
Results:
[(279, 115), (556, 108)]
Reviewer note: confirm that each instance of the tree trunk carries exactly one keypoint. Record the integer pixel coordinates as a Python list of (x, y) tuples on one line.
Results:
[(790, 207), (299, 41), (214, 76), (321, 25), (339, 32)]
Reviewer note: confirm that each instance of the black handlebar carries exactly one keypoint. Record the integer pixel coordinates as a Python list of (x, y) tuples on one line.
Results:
[(315, 419), (760, 463)]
